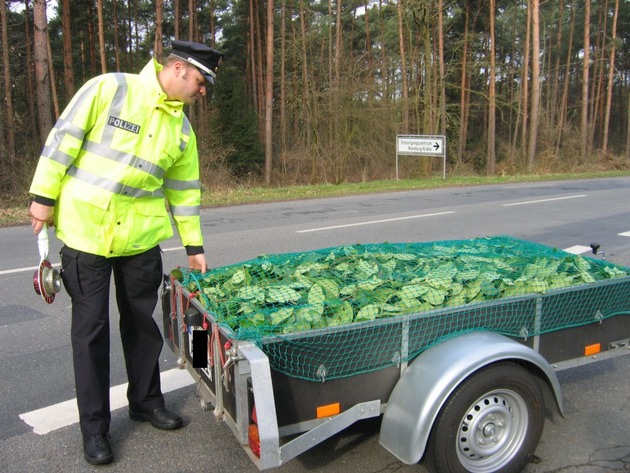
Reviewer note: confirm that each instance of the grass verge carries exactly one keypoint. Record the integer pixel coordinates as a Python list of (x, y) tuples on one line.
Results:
[(251, 195)]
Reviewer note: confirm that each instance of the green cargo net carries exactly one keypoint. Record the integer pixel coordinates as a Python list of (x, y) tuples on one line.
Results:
[(337, 312)]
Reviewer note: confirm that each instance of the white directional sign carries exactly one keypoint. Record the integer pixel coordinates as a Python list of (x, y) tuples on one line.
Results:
[(420, 145)]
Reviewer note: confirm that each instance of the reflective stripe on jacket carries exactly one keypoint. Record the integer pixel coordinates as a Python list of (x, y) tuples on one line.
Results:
[(120, 149)]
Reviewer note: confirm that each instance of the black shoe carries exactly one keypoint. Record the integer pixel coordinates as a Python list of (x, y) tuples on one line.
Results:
[(161, 418), (97, 450)]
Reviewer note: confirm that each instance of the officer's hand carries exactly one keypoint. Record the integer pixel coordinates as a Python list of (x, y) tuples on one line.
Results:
[(198, 262), (40, 214)]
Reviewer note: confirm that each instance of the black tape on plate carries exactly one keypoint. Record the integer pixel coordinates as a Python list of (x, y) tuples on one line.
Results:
[(200, 349)]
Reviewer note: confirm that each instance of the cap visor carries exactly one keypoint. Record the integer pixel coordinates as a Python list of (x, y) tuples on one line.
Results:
[(208, 77)]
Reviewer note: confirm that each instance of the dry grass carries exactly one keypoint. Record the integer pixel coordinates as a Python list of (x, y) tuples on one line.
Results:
[(13, 216)]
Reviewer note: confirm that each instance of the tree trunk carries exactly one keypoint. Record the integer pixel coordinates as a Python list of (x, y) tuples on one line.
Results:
[(283, 85), (42, 78), (525, 78), (136, 22), (213, 24), (597, 83), (130, 40), (515, 84), (177, 15), (306, 98), (68, 71), (116, 45), (535, 113), (427, 119), (158, 30), (191, 20), (611, 74), (565, 88), (30, 92), (339, 163), (553, 109), (338, 47), (331, 62), (252, 72), (91, 42), (403, 69), (258, 58), (384, 62), (491, 158), (461, 146), (585, 81), (101, 36), (442, 105), (368, 51), (269, 95), (53, 83), (8, 100)]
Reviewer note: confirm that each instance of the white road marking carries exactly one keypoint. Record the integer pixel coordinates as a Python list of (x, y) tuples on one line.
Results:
[(65, 413), (373, 222), (578, 249), (543, 200), (624, 234), (56, 265), (21, 270)]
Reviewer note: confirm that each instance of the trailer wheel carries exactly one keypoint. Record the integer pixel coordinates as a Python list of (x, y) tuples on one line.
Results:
[(491, 423)]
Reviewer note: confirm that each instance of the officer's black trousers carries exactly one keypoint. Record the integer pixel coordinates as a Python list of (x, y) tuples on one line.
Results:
[(137, 279)]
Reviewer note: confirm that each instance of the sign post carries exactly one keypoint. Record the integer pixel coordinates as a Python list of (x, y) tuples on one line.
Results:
[(421, 145)]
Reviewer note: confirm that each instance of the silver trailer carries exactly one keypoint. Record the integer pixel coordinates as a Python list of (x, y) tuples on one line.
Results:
[(474, 401)]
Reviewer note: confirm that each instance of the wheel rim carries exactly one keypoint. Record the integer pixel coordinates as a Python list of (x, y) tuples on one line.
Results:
[(492, 431)]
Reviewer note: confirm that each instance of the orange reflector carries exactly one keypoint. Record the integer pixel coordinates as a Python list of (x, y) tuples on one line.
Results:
[(254, 439), (592, 349), (328, 410)]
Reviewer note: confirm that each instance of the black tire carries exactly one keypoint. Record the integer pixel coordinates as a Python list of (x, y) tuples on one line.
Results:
[(491, 423)]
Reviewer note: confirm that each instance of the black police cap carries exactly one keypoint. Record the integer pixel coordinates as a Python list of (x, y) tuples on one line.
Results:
[(205, 59)]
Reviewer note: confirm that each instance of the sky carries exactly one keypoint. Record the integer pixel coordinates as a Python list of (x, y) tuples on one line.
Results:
[(19, 7)]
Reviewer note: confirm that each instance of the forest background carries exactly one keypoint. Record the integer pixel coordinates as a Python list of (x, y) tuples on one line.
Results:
[(315, 91)]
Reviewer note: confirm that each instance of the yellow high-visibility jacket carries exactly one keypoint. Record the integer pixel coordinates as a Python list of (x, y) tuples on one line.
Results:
[(120, 149)]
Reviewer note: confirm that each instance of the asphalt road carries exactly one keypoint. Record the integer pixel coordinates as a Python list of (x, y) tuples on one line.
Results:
[(36, 365)]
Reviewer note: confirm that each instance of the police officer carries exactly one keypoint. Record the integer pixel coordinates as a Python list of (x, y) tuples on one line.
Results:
[(120, 150)]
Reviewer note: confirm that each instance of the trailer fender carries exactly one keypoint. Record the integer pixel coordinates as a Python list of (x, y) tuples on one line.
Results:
[(424, 387)]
